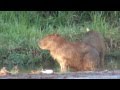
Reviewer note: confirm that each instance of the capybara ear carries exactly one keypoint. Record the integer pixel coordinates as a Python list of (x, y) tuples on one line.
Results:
[(55, 34)]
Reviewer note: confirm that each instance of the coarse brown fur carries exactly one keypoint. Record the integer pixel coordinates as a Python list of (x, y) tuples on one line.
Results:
[(76, 55), (96, 40)]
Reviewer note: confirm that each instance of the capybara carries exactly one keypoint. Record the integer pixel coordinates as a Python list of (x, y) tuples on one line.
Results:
[(96, 40), (76, 55)]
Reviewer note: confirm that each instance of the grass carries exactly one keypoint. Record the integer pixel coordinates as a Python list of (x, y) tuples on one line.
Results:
[(21, 30)]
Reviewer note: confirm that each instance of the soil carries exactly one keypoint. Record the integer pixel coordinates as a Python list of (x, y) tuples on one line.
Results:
[(69, 75)]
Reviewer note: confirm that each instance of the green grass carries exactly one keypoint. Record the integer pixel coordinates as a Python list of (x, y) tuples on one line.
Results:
[(21, 30)]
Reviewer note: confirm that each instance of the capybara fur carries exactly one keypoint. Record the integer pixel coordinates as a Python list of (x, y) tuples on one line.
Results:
[(76, 55), (96, 40)]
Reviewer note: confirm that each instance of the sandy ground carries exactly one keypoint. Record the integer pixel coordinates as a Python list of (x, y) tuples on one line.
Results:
[(70, 75)]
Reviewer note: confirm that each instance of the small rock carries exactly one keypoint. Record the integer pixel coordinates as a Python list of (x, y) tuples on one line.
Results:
[(47, 71)]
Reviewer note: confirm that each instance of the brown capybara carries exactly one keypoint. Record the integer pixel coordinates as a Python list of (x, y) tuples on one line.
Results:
[(96, 40), (76, 55)]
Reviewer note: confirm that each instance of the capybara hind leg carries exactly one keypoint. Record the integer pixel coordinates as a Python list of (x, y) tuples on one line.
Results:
[(90, 62), (101, 60)]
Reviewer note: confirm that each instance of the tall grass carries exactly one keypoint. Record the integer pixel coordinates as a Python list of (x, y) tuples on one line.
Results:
[(21, 30)]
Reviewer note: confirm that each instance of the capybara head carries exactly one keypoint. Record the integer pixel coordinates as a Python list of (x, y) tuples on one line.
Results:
[(50, 41)]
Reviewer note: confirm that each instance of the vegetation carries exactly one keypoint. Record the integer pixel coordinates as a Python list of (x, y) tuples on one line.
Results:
[(21, 30)]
